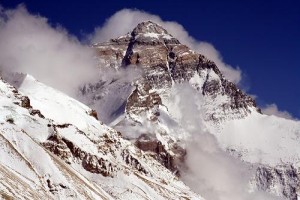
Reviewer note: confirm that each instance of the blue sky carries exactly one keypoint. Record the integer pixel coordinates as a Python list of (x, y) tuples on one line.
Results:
[(262, 38)]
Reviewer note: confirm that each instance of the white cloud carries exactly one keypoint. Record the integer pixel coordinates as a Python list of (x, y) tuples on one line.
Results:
[(125, 20), (30, 45), (272, 109)]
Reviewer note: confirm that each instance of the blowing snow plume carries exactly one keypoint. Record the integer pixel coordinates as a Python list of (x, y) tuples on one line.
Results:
[(29, 44), (208, 169)]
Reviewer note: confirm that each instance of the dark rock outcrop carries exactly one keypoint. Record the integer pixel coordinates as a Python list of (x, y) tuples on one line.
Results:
[(284, 178), (93, 113), (25, 102), (66, 150), (157, 150)]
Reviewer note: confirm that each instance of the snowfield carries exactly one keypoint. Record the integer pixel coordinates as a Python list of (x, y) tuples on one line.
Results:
[(263, 139), (37, 161)]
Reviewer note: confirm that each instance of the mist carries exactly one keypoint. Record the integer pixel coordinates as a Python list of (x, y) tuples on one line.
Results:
[(111, 91), (29, 44), (209, 170)]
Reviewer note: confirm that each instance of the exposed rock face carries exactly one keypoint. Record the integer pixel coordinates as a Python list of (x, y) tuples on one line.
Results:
[(157, 150), (68, 151), (108, 145), (282, 180), (142, 100), (36, 112), (94, 114), (56, 145), (132, 161), (25, 102)]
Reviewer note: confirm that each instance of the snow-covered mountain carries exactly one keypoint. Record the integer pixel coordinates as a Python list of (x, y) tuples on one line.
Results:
[(180, 94), (53, 147), (167, 115)]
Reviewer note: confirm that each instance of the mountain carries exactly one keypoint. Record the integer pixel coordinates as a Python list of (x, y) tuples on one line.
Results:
[(161, 101), (162, 122), (165, 64)]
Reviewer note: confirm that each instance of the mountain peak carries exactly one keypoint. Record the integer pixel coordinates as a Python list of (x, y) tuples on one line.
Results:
[(149, 32), (149, 27)]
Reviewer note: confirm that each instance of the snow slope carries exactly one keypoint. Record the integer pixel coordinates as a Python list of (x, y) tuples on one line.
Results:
[(60, 108), (263, 139), (49, 156)]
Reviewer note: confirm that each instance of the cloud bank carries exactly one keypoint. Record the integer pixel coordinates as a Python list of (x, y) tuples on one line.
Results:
[(125, 20), (29, 44), (272, 109)]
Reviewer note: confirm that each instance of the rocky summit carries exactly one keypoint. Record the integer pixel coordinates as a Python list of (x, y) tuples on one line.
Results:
[(156, 105), (165, 63)]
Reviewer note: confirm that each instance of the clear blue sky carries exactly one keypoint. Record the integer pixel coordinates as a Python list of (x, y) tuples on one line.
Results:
[(261, 37)]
